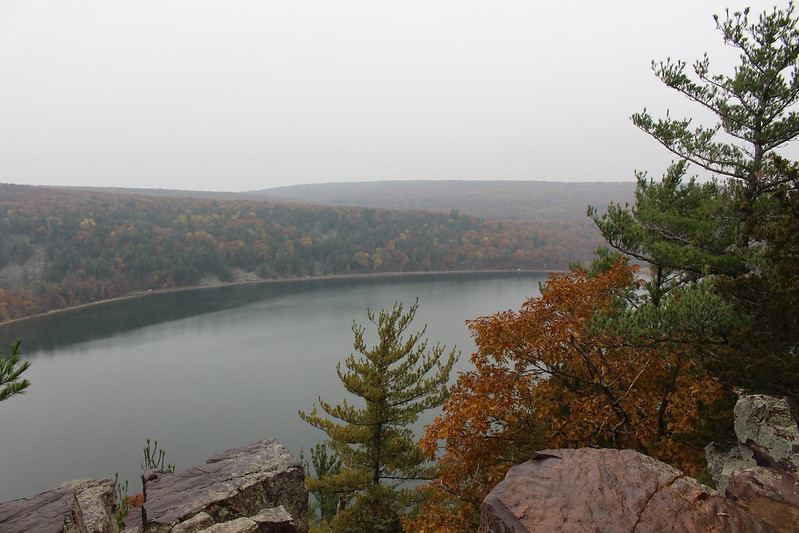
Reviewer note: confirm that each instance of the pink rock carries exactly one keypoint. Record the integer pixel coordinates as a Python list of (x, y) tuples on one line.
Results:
[(601, 490)]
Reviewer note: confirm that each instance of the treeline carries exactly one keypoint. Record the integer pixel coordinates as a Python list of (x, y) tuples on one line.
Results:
[(61, 247)]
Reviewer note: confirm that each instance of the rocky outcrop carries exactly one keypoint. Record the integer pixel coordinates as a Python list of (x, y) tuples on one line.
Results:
[(262, 483), (622, 490), (767, 432), (607, 491), (81, 506), (256, 488), (760, 470)]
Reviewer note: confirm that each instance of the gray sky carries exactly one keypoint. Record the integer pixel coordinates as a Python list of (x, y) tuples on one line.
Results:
[(250, 94)]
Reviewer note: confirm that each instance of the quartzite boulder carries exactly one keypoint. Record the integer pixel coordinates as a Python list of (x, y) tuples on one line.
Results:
[(603, 490), (76, 506), (760, 470), (767, 432), (249, 482), (257, 488), (770, 494), (97, 500)]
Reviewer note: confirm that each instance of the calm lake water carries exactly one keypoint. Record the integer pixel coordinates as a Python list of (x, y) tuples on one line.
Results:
[(206, 370)]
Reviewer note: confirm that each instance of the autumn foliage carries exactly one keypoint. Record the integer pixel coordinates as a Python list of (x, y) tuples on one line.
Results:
[(557, 374), (70, 247)]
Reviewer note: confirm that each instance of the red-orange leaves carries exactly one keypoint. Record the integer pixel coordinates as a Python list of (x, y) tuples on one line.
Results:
[(549, 376)]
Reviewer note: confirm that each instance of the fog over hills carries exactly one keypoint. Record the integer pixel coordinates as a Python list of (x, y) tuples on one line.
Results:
[(499, 200)]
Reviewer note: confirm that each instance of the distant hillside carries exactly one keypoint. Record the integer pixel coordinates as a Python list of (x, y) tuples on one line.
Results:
[(61, 247), (498, 200)]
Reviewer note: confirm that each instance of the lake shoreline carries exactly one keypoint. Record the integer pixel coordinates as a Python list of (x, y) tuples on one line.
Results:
[(139, 294), (202, 371)]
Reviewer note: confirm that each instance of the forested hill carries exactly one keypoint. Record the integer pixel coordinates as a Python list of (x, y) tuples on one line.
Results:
[(61, 247), (498, 200)]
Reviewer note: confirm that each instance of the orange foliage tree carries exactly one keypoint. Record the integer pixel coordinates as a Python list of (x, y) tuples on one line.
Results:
[(558, 373)]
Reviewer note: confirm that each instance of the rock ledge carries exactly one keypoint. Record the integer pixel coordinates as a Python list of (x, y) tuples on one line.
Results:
[(622, 490), (256, 488)]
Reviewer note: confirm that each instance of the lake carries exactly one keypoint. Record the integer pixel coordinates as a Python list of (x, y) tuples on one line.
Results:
[(205, 370)]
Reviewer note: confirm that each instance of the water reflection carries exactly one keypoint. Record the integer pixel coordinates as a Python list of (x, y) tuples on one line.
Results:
[(207, 370), (45, 334)]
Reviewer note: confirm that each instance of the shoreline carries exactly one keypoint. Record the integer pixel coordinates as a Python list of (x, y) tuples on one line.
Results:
[(139, 294)]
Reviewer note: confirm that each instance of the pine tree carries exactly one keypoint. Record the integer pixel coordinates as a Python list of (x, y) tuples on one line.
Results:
[(375, 443), (695, 235), (761, 354), (324, 465), (686, 227), (10, 371)]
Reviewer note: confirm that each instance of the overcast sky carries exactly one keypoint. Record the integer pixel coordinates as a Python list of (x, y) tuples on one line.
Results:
[(249, 94)]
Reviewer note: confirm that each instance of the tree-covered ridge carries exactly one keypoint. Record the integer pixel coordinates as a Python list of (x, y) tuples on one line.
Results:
[(494, 199), (83, 246), (497, 200)]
